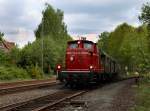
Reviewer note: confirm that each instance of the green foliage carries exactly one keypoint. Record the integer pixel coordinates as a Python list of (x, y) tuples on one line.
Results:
[(4, 58), (10, 73), (129, 46), (52, 23), (103, 39), (14, 55), (46, 51), (142, 97), (35, 72), (1, 36), (11, 58), (49, 47), (51, 38), (145, 18), (145, 15), (53, 52)]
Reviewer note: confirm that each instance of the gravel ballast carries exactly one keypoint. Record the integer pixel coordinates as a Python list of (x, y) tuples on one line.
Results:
[(27, 95), (117, 96), (112, 97)]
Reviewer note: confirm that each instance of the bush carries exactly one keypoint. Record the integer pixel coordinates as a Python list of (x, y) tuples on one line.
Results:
[(35, 72), (13, 73), (4, 58), (53, 52)]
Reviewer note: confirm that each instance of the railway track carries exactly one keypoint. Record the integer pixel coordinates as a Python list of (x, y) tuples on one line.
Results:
[(8, 84), (7, 88), (48, 102)]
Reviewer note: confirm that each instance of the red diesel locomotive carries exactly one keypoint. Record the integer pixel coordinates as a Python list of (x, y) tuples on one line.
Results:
[(85, 63)]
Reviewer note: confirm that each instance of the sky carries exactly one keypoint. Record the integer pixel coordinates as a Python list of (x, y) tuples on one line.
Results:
[(19, 18)]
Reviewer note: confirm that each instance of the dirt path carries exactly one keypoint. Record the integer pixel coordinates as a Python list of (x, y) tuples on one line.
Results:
[(124, 99), (113, 97)]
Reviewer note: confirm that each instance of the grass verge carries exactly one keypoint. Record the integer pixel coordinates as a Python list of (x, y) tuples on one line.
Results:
[(143, 96)]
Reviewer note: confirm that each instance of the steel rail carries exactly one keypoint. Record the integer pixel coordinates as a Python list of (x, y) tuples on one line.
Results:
[(13, 89), (52, 100), (6, 84), (37, 105), (19, 104), (47, 106)]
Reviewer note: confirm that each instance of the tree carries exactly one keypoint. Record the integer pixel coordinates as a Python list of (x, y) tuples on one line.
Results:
[(49, 47), (52, 23), (4, 58), (15, 55), (1, 36), (116, 39), (128, 45), (145, 18), (53, 52), (145, 15), (103, 39)]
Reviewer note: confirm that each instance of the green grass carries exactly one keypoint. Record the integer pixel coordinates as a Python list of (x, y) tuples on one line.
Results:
[(143, 96)]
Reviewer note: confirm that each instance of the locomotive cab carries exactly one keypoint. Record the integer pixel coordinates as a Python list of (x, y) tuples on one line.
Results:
[(79, 55)]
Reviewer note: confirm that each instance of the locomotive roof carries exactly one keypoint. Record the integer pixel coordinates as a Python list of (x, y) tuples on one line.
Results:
[(81, 40)]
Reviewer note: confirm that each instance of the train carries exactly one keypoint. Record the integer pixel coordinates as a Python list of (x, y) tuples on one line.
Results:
[(85, 63)]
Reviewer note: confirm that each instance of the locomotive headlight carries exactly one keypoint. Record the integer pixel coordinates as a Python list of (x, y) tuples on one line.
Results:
[(78, 42), (58, 67), (91, 67), (71, 58)]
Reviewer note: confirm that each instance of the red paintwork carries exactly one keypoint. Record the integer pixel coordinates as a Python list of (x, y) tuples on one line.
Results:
[(80, 59)]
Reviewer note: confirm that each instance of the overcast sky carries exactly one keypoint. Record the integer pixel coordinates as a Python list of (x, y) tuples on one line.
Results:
[(19, 18)]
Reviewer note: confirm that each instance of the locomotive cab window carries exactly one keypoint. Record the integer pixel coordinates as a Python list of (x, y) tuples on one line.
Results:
[(87, 45), (73, 45)]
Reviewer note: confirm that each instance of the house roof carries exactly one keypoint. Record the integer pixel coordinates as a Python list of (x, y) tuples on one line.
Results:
[(7, 46)]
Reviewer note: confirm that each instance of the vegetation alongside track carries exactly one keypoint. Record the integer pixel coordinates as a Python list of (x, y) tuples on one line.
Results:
[(143, 96), (130, 45), (13, 73), (37, 60)]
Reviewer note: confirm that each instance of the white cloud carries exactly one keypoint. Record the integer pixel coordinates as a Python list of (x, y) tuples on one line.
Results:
[(91, 37), (19, 18), (21, 37)]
